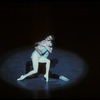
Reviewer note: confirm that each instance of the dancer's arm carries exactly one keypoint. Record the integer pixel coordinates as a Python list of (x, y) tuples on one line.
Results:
[(39, 51), (47, 47), (36, 43), (42, 43)]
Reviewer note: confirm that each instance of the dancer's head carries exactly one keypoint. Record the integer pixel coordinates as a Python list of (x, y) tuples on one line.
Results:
[(50, 38)]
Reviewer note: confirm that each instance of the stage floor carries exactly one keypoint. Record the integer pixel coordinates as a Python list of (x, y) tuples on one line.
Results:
[(64, 63)]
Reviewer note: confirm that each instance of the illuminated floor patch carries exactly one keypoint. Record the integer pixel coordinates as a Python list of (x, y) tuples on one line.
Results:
[(65, 63)]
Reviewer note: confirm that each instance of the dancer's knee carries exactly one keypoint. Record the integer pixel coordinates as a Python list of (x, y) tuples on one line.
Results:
[(48, 61), (34, 71)]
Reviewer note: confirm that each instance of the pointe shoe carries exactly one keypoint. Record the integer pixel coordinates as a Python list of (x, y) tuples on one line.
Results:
[(46, 78), (63, 78), (21, 78)]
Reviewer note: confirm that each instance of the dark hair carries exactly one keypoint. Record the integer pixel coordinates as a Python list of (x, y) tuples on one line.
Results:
[(53, 38)]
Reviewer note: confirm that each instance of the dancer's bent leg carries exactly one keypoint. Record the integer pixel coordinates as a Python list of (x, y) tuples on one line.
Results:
[(35, 68), (47, 61)]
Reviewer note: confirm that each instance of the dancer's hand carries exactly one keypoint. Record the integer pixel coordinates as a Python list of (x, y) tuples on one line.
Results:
[(43, 44)]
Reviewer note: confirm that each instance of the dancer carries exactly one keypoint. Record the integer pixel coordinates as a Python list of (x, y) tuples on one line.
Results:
[(40, 55)]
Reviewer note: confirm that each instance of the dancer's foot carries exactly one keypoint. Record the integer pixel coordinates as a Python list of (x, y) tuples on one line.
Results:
[(21, 78), (46, 77), (63, 78)]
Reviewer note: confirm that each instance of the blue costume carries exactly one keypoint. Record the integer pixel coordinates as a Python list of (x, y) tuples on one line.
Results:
[(44, 50)]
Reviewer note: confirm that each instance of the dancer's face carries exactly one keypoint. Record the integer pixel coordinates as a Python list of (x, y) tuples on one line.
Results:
[(49, 38)]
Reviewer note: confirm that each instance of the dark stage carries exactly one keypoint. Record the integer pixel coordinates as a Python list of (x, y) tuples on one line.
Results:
[(76, 52)]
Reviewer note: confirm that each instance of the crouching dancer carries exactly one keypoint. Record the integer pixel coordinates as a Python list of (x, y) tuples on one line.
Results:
[(40, 55)]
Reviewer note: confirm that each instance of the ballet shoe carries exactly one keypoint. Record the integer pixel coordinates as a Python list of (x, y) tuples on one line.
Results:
[(21, 78), (46, 78)]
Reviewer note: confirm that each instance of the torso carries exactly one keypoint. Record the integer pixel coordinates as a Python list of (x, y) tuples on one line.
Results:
[(46, 53)]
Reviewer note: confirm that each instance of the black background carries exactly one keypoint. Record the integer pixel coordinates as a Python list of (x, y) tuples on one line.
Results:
[(75, 25)]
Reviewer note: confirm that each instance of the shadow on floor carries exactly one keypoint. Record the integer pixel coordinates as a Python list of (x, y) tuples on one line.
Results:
[(42, 69)]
